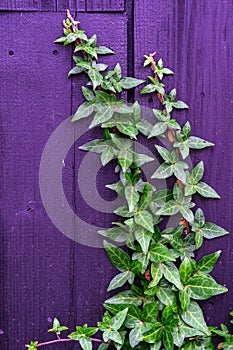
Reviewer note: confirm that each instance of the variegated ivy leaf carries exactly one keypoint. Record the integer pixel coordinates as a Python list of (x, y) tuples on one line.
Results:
[(164, 122), (132, 196), (153, 86), (129, 83), (182, 246), (171, 166), (170, 102), (206, 229), (193, 183), (184, 299), (125, 297), (180, 204), (136, 333), (186, 269), (202, 287), (118, 257), (193, 317), (171, 273), (159, 253), (143, 237), (160, 70), (145, 219), (83, 332), (83, 111), (120, 279), (185, 141), (207, 262)]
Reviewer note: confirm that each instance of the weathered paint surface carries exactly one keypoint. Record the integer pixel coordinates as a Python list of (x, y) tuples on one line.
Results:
[(43, 273)]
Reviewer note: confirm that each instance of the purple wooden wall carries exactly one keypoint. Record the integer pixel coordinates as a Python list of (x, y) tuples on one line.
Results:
[(43, 273)]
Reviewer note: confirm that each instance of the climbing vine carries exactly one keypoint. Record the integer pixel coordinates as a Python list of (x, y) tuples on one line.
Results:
[(158, 308)]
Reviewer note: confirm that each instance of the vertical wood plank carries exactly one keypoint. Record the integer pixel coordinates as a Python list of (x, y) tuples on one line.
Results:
[(93, 271), (72, 5), (37, 279), (28, 5), (105, 5), (194, 39)]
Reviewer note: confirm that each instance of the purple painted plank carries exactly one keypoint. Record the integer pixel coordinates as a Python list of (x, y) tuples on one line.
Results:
[(37, 278), (194, 39), (72, 5), (43, 270), (96, 271), (105, 5), (28, 5)]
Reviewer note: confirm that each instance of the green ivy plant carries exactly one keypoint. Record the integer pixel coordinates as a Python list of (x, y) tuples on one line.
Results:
[(163, 282)]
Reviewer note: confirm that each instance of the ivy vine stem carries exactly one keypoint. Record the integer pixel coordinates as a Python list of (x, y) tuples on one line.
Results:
[(63, 340)]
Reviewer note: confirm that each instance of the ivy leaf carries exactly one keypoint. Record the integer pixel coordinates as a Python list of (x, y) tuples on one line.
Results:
[(103, 115), (141, 159), (198, 172), (148, 89), (180, 105), (168, 340), (103, 346), (57, 328), (131, 196), (119, 280), (163, 172), (206, 191), (32, 345), (144, 127), (184, 299), (103, 50), (75, 70), (150, 312), (97, 146), (82, 332), (165, 154), (202, 287), (86, 343), (95, 77), (165, 294), (125, 297), (169, 208), (207, 263), (125, 158), (144, 219), (156, 274), (143, 237), (83, 111), (118, 319), (129, 83), (154, 335), (198, 143), (117, 256), (136, 333), (210, 230), (185, 270), (171, 274), (117, 234), (158, 129), (193, 316), (159, 253), (107, 155), (88, 94)]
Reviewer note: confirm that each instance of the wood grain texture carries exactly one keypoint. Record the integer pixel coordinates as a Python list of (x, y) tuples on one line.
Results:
[(37, 279), (194, 39), (105, 5), (62, 5), (43, 273), (28, 5), (72, 5)]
